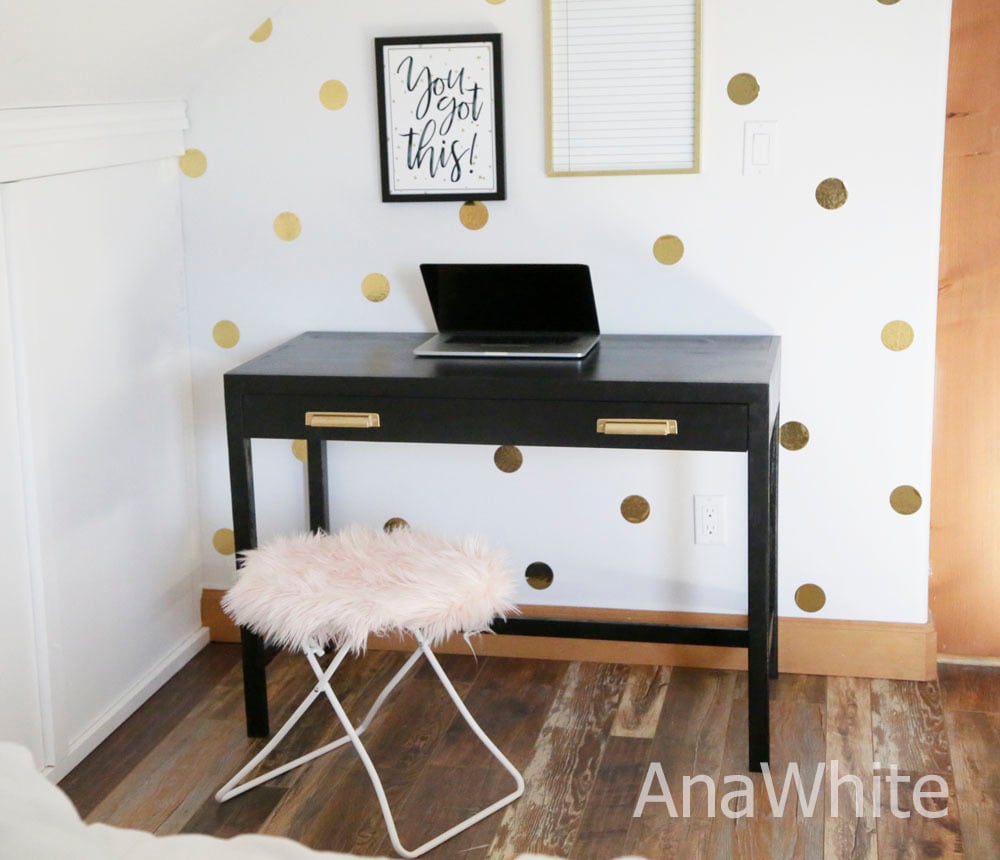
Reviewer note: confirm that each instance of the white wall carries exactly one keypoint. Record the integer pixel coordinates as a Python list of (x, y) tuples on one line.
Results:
[(63, 52), (857, 90), (96, 385)]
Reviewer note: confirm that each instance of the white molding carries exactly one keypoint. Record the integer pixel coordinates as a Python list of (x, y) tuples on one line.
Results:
[(18, 518), (128, 703), (36, 582), (37, 142)]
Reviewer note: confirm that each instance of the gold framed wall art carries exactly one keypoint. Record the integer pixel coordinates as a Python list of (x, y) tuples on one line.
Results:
[(622, 84)]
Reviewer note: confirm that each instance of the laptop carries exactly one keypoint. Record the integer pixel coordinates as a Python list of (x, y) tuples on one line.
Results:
[(510, 310)]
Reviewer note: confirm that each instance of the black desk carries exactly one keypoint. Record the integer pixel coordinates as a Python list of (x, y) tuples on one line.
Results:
[(722, 392)]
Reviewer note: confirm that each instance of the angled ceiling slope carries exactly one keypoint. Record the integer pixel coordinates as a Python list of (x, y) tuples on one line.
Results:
[(68, 52)]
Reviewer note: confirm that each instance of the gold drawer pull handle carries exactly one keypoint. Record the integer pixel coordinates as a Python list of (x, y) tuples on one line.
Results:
[(637, 426), (361, 420)]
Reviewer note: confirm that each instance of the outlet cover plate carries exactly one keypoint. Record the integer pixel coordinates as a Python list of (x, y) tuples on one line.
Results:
[(710, 520)]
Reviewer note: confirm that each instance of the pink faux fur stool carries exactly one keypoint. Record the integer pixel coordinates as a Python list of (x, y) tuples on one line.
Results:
[(312, 591), (309, 590)]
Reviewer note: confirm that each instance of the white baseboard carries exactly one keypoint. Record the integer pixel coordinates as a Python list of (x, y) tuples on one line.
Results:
[(128, 703)]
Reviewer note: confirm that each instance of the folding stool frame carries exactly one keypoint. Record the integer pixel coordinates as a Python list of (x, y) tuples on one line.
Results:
[(235, 786)]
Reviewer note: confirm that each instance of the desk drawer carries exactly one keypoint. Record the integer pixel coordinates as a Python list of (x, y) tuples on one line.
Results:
[(570, 423)]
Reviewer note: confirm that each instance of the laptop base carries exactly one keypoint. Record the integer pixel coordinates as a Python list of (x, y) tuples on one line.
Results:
[(496, 346)]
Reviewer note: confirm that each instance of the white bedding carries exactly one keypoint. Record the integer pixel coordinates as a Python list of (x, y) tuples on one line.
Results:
[(38, 822)]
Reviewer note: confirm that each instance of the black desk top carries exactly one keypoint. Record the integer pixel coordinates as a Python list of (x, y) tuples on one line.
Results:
[(718, 368)]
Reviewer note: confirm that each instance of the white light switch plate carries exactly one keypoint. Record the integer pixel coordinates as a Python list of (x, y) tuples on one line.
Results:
[(759, 148)]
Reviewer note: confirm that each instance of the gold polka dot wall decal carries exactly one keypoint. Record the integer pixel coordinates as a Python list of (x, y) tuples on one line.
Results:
[(263, 32), (743, 88), (905, 500), (495, 2), (375, 287), (888, 2), (193, 163), (668, 250), (473, 215), (287, 226), (794, 435), (224, 542), (508, 458), (538, 575), (831, 193), (300, 450), (333, 95), (394, 523), (897, 335), (810, 598), (226, 334), (635, 509)]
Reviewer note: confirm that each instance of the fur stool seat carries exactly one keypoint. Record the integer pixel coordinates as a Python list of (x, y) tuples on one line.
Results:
[(306, 591)]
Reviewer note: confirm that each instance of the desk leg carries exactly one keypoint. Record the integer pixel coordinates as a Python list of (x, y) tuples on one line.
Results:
[(759, 586), (255, 684), (245, 534), (319, 514), (772, 657)]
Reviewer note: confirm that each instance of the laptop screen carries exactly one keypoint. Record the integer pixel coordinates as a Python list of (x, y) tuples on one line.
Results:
[(513, 297)]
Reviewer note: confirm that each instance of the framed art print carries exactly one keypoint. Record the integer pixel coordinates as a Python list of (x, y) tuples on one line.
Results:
[(440, 117)]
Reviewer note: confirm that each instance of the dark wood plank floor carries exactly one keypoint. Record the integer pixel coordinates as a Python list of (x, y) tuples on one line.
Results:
[(584, 735)]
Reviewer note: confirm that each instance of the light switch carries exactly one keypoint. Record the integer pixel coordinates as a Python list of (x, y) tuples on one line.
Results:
[(759, 148)]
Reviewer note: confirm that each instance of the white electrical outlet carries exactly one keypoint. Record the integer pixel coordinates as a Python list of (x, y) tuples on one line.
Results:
[(710, 519)]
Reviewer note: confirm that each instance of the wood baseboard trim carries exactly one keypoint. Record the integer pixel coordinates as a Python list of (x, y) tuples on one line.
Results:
[(809, 646), (220, 628)]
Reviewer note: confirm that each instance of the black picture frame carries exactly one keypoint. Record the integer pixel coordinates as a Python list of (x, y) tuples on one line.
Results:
[(440, 117)]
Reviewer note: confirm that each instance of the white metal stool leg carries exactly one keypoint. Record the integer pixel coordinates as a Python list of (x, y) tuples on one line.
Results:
[(235, 787), (353, 734), (390, 823)]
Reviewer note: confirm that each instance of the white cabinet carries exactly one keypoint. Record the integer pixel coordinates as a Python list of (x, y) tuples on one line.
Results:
[(96, 439)]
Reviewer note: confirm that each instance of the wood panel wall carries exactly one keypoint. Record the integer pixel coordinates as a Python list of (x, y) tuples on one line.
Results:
[(965, 509)]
